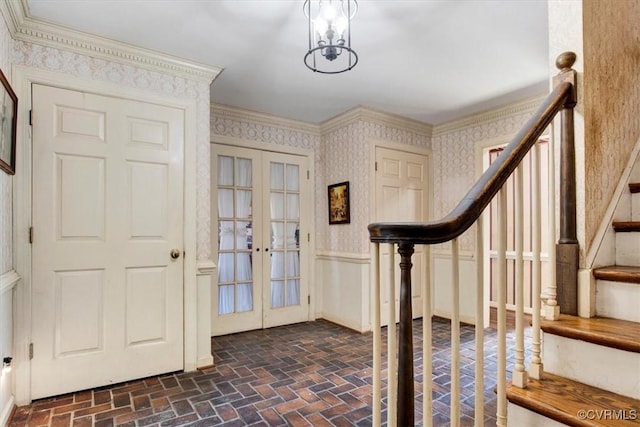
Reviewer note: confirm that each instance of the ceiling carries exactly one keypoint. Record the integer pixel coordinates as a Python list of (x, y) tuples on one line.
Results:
[(429, 60)]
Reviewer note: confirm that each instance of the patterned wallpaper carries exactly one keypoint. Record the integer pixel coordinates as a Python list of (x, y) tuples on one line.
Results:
[(268, 130), (454, 155), (77, 65), (347, 152), (343, 153), (612, 103), (6, 195)]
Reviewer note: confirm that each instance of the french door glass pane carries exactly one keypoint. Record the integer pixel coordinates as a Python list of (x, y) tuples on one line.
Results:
[(235, 274), (285, 239)]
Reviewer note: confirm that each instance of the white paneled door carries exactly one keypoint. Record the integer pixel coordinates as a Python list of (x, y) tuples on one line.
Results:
[(401, 183), (263, 203), (107, 282)]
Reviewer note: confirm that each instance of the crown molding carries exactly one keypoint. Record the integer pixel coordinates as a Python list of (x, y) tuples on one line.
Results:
[(27, 29), (239, 114), (354, 115), (521, 107), (362, 113)]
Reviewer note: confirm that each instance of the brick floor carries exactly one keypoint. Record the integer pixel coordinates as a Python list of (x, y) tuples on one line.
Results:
[(308, 374)]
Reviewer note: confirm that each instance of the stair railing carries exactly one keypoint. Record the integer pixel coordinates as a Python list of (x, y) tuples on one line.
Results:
[(400, 402)]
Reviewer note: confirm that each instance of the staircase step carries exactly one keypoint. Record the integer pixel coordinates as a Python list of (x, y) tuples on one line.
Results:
[(626, 226), (618, 273), (598, 351), (566, 401), (618, 292), (634, 187), (614, 333), (628, 248)]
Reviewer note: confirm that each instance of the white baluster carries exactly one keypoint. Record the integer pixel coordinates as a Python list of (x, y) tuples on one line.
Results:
[(535, 369), (519, 376), (392, 344), (501, 414), (377, 339), (427, 348), (479, 333), (551, 307), (455, 334)]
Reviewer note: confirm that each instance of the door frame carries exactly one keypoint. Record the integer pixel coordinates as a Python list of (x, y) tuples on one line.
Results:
[(24, 78), (412, 149), (284, 149)]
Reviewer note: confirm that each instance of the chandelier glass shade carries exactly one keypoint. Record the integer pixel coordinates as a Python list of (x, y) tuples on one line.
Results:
[(329, 25)]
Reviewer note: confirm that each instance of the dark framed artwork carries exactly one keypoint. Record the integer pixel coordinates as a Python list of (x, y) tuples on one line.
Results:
[(339, 203), (8, 124)]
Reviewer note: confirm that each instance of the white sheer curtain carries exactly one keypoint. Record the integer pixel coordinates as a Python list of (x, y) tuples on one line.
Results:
[(234, 267), (285, 262)]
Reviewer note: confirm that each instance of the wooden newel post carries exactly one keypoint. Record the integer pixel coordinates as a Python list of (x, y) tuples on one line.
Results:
[(567, 248), (406, 397)]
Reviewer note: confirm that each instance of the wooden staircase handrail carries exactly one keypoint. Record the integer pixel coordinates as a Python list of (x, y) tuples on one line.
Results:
[(407, 234), (486, 187)]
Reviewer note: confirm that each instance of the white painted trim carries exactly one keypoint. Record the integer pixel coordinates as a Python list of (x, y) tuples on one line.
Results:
[(25, 28), (308, 197), (262, 146), (206, 267), (446, 254), (8, 409), (348, 257), (396, 146), (23, 78), (495, 114), (8, 281), (239, 114), (605, 224), (342, 321), (366, 114), (354, 115), (204, 356)]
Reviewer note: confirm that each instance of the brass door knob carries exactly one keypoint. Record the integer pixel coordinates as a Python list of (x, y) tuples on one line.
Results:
[(175, 253)]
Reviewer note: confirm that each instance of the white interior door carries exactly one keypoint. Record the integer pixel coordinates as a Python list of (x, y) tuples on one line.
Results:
[(237, 184), (107, 214), (401, 195), (262, 261), (288, 287)]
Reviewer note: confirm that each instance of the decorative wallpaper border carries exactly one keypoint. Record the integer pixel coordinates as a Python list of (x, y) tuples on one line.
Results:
[(527, 106), (24, 28)]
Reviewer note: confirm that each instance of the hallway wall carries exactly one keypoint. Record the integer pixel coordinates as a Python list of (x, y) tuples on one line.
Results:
[(7, 275)]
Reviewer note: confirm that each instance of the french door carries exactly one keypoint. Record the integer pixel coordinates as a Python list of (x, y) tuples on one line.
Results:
[(262, 200)]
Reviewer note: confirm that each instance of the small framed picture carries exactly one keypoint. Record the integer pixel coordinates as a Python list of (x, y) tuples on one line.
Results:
[(8, 124), (339, 203)]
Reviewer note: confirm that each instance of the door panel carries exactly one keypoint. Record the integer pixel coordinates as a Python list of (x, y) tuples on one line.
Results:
[(107, 296), (288, 288), (401, 195), (262, 279), (237, 301)]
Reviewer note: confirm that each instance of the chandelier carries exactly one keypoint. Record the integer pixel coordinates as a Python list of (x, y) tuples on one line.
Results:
[(329, 24)]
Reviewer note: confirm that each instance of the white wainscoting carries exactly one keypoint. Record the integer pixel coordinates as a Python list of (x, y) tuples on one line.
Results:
[(8, 281), (206, 270), (441, 282), (342, 289)]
